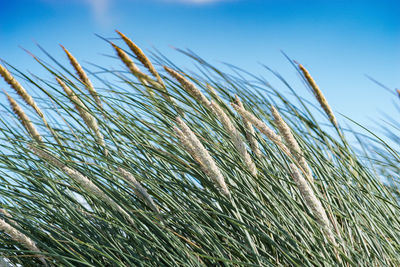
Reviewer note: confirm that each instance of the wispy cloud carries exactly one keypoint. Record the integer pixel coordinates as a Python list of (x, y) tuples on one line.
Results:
[(100, 11)]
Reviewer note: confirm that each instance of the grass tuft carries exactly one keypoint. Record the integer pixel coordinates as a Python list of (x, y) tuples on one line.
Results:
[(158, 170)]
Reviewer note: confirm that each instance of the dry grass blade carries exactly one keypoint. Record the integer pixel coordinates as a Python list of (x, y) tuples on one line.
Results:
[(141, 57), (208, 164), (291, 143), (319, 95), (83, 77), (24, 119)]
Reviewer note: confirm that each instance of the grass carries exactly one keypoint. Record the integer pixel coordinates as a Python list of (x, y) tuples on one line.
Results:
[(166, 168)]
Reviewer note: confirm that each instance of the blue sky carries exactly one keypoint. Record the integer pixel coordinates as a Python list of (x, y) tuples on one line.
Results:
[(338, 41)]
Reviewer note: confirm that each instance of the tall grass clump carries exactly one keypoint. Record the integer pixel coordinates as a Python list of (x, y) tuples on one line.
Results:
[(147, 164)]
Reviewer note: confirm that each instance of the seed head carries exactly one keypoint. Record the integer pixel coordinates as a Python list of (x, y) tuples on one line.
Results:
[(235, 136), (139, 190), (24, 119), (83, 77), (250, 133), (207, 163), (141, 57), (82, 180), (262, 127), (89, 120), (291, 143), (319, 95), (189, 87), (20, 90), (313, 203), (21, 238)]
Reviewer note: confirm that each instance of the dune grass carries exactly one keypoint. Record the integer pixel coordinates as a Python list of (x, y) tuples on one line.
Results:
[(136, 166)]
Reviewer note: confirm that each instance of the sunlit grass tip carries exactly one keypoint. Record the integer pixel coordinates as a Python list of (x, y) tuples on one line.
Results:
[(319, 95), (24, 119), (83, 77)]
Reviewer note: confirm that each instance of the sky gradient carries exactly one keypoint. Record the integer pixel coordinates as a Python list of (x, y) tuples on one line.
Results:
[(338, 41)]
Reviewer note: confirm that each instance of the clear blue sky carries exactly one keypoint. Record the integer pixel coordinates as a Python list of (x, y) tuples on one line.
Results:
[(338, 41)]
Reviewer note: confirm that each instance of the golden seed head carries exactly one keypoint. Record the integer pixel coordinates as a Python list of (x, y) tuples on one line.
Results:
[(189, 87), (142, 77), (130, 64), (19, 89), (83, 76), (141, 57), (24, 119), (319, 95)]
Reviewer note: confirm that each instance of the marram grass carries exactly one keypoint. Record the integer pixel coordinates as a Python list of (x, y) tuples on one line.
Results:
[(146, 164)]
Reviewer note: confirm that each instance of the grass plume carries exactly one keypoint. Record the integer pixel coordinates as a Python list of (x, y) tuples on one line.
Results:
[(83, 77), (179, 185), (24, 119), (319, 95), (141, 57)]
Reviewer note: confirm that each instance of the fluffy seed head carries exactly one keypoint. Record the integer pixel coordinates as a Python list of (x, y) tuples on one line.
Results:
[(262, 127), (139, 190), (313, 203), (130, 64), (187, 145), (206, 161), (189, 87), (82, 180), (235, 137), (20, 238), (142, 77), (250, 133), (89, 120), (291, 143), (24, 119)]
